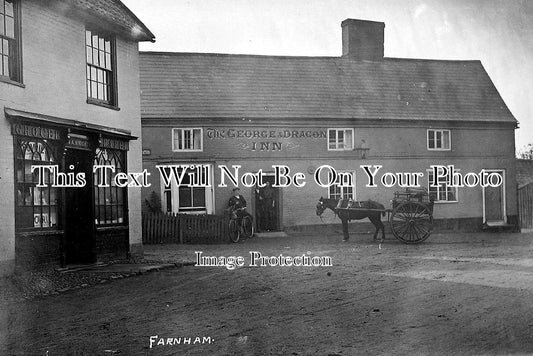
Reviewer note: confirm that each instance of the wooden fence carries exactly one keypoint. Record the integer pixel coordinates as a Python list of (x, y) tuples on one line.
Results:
[(525, 206), (184, 228)]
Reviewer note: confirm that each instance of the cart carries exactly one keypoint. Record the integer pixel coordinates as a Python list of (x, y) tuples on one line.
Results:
[(411, 215)]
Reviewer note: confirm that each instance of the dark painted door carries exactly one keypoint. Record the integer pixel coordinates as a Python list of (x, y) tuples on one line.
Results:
[(267, 202), (79, 221)]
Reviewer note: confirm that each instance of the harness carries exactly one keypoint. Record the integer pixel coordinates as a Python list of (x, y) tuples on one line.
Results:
[(348, 203)]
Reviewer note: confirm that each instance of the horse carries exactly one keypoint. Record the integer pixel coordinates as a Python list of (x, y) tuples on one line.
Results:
[(352, 214)]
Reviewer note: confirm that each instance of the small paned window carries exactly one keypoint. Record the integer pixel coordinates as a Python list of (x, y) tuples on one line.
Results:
[(110, 202), (10, 64), (36, 207), (187, 139), (439, 140), (100, 51), (340, 139), (443, 192), (345, 190)]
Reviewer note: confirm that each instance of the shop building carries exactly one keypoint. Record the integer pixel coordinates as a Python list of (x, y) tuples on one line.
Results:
[(305, 112), (69, 99)]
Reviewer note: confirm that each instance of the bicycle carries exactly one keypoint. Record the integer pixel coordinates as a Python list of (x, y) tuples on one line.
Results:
[(246, 228)]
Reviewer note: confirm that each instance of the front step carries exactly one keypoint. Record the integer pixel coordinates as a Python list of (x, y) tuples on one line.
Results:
[(271, 234), (499, 227)]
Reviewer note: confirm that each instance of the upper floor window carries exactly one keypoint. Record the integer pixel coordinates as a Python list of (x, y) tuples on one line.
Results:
[(340, 139), (10, 65), (187, 139), (439, 140), (100, 50)]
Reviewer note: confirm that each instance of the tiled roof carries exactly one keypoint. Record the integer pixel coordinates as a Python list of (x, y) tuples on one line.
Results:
[(193, 85), (524, 172), (115, 12)]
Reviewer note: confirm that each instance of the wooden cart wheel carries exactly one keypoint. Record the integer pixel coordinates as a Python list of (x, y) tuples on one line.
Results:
[(411, 222)]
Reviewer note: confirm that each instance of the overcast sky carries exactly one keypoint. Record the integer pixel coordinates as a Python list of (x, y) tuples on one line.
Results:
[(497, 32)]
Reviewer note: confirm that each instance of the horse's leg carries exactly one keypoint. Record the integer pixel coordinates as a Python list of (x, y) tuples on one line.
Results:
[(374, 222), (345, 230), (382, 227), (378, 224)]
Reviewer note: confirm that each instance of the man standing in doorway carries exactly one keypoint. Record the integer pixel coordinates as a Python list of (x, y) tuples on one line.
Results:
[(268, 204)]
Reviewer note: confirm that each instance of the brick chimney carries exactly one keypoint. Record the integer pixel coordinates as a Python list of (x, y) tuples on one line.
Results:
[(363, 40)]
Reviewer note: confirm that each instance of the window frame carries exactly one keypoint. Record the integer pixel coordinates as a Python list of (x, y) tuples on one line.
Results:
[(170, 198), (441, 131), (191, 129), (438, 191), (342, 189), (42, 207), (14, 61), (337, 130), (119, 156), (112, 100)]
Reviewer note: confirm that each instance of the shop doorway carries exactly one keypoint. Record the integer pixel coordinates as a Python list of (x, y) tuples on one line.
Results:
[(79, 220), (268, 206)]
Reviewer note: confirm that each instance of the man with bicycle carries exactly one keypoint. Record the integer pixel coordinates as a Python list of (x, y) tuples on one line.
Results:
[(237, 204)]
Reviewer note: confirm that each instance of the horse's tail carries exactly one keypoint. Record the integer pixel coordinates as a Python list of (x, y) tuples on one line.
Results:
[(381, 206)]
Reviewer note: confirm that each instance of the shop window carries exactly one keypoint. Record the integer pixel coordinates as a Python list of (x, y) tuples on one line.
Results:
[(10, 64), (345, 190), (36, 207), (110, 202), (340, 139), (100, 51), (439, 140), (186, 199), (443, 192), (187, 139)]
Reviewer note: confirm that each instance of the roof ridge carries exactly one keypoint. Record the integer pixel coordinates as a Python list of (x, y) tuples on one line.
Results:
[(244, 55), (210, 54)]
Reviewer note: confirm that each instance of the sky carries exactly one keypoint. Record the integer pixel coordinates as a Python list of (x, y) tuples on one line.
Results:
[(499, 33)]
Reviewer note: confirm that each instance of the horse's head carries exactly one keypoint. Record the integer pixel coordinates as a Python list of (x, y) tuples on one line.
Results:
[(320, 207)]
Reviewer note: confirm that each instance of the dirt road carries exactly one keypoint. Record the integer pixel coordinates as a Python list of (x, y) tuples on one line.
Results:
[(455, 294)]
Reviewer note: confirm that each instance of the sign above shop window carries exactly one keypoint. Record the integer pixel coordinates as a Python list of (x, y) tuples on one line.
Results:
[(78, 141), (112, 143), (35, 131)]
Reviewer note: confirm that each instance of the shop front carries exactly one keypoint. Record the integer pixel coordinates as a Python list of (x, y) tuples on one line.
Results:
[(61, 215)]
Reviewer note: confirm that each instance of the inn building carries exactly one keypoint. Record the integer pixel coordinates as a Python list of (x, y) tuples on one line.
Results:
[(304, 112), (69, 99)]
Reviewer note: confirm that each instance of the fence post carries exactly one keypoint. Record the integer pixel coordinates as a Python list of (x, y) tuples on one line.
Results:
[(180, 228)]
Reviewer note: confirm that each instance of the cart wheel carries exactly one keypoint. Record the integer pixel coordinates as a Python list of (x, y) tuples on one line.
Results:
[(233, 230), (247, 227), (411, 222)]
